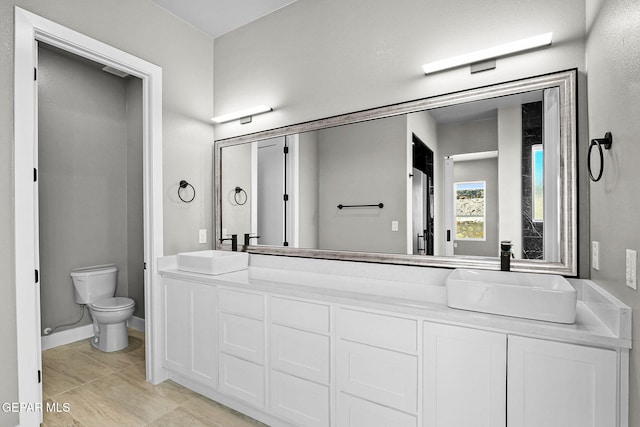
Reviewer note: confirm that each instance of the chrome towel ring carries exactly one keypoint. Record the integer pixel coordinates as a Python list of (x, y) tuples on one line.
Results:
[(600, 143)]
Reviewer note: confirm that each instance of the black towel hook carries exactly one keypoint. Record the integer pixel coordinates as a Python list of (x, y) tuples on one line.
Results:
[(600, 143), (184, 184)]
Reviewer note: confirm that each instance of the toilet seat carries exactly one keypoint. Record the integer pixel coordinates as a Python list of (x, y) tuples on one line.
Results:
[(113, 304)]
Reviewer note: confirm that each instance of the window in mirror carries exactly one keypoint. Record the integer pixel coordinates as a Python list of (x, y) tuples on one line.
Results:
[(470, 210)]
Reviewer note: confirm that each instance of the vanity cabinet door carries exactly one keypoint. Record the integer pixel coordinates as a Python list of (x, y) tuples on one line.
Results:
[(555, 384), (190, 330), (465, 377)]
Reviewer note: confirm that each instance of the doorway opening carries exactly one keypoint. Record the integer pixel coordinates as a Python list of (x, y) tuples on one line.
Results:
[(423, 198)]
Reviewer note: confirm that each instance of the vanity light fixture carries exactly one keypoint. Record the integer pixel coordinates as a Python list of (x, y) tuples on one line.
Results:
[(244, 115), (488, 54)]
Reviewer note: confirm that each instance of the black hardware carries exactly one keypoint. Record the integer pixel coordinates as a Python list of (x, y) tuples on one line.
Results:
[(286, 197), (39, 376), (285, 244), (184, 184), (144, 266), (35, 174), (239, 190), (505, 255), (286, 150), (234, 242), (448, 235), (248, 237), (35, 74), (379, 205), (37, 276), (599, 142)]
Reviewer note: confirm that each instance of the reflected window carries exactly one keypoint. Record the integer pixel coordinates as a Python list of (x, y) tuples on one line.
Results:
[(470, 210), (537, 171)]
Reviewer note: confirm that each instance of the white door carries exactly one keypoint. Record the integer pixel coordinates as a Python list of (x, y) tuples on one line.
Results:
[(271, 190), (465, 378), (556, 384)]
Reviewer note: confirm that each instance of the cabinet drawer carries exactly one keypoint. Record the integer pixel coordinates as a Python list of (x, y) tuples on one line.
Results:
[(303, 402), (300, 353), (354, 412), (242, 379), (242, 337), (379, 375), (300, 314), (242, 303), (380, 330)]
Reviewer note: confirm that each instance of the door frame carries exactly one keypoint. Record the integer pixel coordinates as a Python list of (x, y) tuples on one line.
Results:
[(30, 28)]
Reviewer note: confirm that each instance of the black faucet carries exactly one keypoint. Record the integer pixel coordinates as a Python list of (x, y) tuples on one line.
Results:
[(505, 255), (248, 237), (234, 242)]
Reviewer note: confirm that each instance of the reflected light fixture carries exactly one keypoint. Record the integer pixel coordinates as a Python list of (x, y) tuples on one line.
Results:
[(244, 115), (488, 54)]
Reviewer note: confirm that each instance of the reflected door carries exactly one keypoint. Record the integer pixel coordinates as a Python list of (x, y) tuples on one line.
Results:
[(271, 190)]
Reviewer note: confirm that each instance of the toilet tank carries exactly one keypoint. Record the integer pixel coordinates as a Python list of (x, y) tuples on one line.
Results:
[(91, 284)]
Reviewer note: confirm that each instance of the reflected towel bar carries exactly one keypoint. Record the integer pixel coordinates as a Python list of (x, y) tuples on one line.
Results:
[(379, 205)]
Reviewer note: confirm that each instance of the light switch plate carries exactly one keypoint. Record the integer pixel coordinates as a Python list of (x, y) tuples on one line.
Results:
[(394, 225), (202, 236), (631, 269), (595, 255)]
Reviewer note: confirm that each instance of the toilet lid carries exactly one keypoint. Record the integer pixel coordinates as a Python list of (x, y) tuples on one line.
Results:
[(113, 304)]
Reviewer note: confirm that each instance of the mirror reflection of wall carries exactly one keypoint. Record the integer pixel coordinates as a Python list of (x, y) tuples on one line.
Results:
[(423, 167)]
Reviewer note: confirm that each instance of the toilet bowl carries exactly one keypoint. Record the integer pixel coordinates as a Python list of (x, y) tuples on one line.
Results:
[(110, 323), (95, 287)]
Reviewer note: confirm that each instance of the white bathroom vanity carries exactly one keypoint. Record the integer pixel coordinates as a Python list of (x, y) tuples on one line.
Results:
[(302, 342)]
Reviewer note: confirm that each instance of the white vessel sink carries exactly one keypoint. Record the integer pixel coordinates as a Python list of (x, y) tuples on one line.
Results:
[(213, 262), (530, 296)]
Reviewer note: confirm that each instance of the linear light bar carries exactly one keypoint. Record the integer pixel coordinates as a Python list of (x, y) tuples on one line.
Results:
[(259, 109), (491, 53)]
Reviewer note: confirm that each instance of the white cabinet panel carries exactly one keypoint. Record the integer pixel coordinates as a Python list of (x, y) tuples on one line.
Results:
[(300, 353), (465, 377), (242, 337), (177, 321), (242, 303), (190, 330), (303, 402), (354, 412), (555, 384), (377, 329), (380, 375), (300, 314), (242, 379)]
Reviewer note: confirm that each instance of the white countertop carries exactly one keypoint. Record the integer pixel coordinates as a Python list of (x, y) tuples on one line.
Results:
[(601, 320)]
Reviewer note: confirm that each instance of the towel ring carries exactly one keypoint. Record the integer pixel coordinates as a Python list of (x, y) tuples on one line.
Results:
[(239, 190), (184, 184), (599, 142)]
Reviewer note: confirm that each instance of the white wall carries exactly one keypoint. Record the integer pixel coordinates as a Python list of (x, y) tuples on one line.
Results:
[(308, 190), (510, 176), (186, 56), (363, 163), (614, 105), (314, 59)]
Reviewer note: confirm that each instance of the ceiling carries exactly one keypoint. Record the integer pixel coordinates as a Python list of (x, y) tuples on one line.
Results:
[(217, 17)]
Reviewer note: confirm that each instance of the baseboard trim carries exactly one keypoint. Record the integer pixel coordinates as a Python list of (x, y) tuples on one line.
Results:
[(80, 333), (66, 337), (136, 323)]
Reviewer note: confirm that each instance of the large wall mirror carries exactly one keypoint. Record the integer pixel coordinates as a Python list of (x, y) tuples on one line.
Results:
[(438, 181)]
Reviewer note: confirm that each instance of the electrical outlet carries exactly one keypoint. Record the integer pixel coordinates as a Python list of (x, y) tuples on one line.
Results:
[(202, 236), (394, 225), (631, 269), (595, 255)]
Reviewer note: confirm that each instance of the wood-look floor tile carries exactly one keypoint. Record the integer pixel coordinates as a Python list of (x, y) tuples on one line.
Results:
[(167, 389), (52, 418), (182, 417), (117, 359), (64, 370), (92, 409), (135, 398), (208, 411)]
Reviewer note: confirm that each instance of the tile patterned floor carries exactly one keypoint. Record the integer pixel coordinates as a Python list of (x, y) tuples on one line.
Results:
[(109, 389)]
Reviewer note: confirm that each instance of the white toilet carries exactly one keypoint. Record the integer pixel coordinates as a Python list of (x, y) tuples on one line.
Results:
[(95, 287)]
